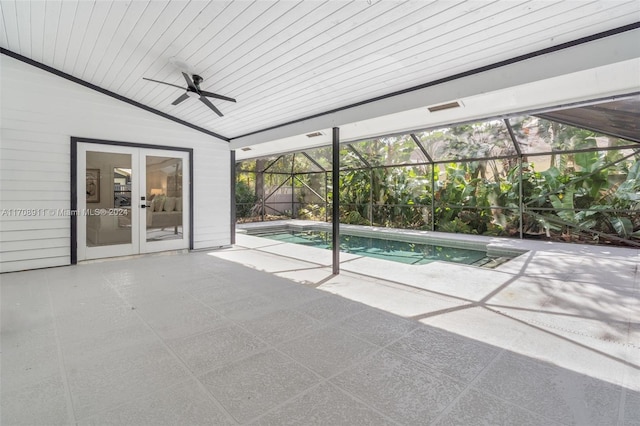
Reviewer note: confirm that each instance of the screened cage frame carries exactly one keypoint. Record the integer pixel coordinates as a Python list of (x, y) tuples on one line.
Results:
[(519, 157)]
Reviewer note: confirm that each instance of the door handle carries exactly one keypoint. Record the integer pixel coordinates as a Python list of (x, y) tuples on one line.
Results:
[(143, 206)]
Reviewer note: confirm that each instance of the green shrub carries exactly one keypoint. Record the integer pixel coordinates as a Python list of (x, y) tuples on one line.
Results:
[(245, 199)]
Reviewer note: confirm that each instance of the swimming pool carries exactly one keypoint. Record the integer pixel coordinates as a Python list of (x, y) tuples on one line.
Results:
[(398, 251)]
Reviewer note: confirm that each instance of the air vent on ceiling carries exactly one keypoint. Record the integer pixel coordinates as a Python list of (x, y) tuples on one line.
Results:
[(442, 107), (246, 148), (314, 134)]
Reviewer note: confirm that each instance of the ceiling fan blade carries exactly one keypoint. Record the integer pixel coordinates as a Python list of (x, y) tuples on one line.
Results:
[(208, 103), (180, 99), (190, 82), (162, 82), (215, 95)]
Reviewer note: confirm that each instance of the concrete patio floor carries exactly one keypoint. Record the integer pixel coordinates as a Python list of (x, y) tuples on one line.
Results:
[(262, 333)]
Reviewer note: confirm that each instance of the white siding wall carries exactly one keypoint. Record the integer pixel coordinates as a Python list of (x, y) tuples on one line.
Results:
[(39, 113)]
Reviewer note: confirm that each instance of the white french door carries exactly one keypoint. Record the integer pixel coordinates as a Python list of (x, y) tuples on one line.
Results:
[(131, 200)]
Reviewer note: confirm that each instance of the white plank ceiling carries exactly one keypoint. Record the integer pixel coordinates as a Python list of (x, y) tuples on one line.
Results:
[(285, 60)]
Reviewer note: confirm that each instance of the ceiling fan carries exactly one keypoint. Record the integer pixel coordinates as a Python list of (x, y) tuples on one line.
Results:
[(193, 91)]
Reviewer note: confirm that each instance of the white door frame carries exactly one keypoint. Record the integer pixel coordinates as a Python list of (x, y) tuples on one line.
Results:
[(138, 243)]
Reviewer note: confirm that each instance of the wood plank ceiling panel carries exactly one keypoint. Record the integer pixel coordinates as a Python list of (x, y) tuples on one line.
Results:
[(37, 23), (23, 14), (63, 32), (285, 60), (375, 40), (242, 43), (365, 73), (10, 24), (430, 44), (283, 51), (267, 51), (122, 16), (236, 15), (145, 28), (212, 15), (365, 85), (4, 41), (51, 18), (275, 40), (283, 27), (365, 51), (155, 41), (274, 46), (86, 24), (323, 43), (493, 50), (245, 21)]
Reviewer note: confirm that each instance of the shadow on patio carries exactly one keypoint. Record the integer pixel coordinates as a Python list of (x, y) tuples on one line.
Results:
[(191, 338)]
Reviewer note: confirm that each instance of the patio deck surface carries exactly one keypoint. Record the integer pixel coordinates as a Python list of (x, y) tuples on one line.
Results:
[(262, 333)]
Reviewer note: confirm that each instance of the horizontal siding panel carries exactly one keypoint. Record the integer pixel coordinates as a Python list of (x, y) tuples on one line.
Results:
[(30, 135), (30, 194), (213, 177), (50, 127), (42, 243), (72, 98), (36, 253), (18, 114), (24, 265), (90, 110), (128, 129), (33, 166), (9, 236), (39, 156), (214, 208), (33, 227), (204, 221), (30, 145), (34, 185), (213, 235), (212, 223), (35, 204), (29, 176), (124, 131), (203, 234), (212, 185), (210, 244), (220, 156)]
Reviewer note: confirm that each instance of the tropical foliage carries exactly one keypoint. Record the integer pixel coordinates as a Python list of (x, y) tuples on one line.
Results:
[(561, 182)]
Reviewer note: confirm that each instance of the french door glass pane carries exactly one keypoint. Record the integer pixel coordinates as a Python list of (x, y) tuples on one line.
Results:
[(164, 198), (108, 209)]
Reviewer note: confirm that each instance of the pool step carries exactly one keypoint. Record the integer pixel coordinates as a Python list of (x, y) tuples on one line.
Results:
[(490, 262)]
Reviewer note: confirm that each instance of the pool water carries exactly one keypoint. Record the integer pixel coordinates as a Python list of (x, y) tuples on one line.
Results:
[(397, 251)]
